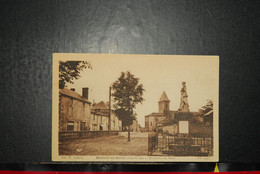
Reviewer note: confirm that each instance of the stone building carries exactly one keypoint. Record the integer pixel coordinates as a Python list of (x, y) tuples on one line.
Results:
[(116, 124), (77, 114), (164, 113), (100, 118), (74, 110)]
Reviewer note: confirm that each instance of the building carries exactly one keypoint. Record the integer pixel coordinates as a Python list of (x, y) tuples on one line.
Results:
[(77, 114), (74, 110), (116, 124), (164, 113), (100, 118), (135, 127)]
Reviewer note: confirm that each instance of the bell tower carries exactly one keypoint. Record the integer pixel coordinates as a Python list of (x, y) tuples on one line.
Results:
[(164, 103)]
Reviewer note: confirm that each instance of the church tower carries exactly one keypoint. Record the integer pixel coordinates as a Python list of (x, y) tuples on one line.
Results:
[(164, 103)]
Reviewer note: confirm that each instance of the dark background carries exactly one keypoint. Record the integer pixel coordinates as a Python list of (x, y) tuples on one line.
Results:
[(32, 30)]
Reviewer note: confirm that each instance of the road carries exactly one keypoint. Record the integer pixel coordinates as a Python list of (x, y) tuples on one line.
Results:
[(107, 145)]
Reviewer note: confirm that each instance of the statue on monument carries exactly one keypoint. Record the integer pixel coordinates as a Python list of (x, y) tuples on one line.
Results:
[(184, 106)]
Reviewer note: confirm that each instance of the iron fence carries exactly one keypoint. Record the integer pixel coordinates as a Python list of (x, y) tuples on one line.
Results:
[(152, 142), (162, 143)]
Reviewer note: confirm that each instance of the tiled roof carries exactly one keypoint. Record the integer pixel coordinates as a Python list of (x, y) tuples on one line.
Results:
[(155, 115), (73, 94), (164, 97), (101, 105)]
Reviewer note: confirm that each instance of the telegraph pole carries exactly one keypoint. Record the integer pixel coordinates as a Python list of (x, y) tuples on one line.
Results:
[(109, 115)]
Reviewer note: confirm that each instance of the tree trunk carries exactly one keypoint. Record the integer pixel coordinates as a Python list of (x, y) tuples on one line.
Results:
[(129, 133)]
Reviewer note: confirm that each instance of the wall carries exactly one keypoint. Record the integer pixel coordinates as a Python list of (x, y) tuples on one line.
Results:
[(103, 120), (116, 124), (152, 120), (164, 105), (201, 129), (94, 122), (171, 129), (73, 110)]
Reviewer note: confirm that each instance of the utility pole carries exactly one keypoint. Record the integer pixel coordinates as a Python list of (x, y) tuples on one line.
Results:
[(109, 115)]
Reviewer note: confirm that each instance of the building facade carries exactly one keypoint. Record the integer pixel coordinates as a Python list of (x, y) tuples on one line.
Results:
[(164, 113), (77, 114), (100, 118), (74, 110)]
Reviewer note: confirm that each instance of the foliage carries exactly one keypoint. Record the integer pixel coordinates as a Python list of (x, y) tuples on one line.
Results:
[(206, 111), (70, 70), (208, 107), (127, 93)]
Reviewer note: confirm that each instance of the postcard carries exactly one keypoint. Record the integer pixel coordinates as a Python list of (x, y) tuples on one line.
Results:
[(135, 108)]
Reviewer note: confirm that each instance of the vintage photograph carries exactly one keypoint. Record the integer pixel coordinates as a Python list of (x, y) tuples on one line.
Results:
[(135, 108)]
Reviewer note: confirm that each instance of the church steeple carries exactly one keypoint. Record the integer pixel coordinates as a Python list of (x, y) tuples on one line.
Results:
[(163, 103)]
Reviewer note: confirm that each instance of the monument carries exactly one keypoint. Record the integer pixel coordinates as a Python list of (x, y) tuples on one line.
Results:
[(183, 116), (184, 106)]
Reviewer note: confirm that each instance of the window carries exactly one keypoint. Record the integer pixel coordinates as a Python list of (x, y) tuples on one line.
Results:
[(184, 127), (93, 117), (70, 126), (151, 123), (82, 125)]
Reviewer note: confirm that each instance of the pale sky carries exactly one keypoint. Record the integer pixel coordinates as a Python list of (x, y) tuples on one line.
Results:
[(157, 74)]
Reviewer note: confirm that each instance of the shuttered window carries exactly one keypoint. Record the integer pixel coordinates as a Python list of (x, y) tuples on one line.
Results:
[(70, 126)]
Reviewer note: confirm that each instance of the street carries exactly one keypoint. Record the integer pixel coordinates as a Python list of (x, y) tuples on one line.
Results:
[(107, 145)]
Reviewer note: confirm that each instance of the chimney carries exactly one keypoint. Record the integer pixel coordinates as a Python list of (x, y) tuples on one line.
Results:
[(85, 93), (73, 89)]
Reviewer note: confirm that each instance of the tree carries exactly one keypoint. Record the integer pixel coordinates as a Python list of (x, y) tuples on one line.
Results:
[(127, 93), (70, 70), (208, 107), (207, 111)]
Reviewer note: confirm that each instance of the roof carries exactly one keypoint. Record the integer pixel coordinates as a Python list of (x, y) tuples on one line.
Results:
[(164, 97), (155, 115), (99, 113), (73, 94), (101, 105)]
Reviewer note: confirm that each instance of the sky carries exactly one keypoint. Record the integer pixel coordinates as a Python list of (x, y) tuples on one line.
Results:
[(157, 74)]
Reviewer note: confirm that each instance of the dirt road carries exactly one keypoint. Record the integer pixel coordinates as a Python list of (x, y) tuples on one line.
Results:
[(107, 145)]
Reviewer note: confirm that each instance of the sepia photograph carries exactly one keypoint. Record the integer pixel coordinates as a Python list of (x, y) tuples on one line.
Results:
[(135, 108)]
